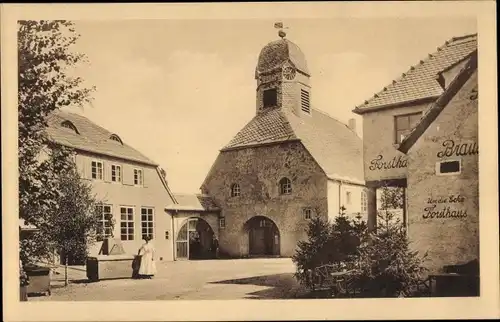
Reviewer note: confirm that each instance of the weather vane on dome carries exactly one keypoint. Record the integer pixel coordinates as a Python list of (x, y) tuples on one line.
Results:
[(281, 33)]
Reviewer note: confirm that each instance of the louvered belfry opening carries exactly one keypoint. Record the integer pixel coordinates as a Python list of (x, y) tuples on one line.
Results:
[(304, 98)]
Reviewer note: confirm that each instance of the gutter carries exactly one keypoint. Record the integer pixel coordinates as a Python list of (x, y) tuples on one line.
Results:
[(106, 154), (361, 111)]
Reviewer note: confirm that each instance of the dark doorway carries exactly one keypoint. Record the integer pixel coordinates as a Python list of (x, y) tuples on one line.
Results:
[(263, 237), (194, 240)]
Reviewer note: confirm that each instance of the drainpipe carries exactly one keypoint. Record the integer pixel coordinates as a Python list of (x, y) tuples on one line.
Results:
[(172, 237), (340, 195)]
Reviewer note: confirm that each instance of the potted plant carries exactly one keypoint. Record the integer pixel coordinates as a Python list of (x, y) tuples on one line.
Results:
[(23, 283)]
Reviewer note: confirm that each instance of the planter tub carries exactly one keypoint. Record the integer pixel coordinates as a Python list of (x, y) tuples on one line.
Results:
[(109, 267), (39, 280)]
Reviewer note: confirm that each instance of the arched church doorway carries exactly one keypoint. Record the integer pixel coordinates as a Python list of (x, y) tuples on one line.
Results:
[(263, 237), (194, 240)]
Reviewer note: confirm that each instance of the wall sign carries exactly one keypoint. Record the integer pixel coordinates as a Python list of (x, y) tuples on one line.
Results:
[(395, 163), (458, 149), (445, 208)]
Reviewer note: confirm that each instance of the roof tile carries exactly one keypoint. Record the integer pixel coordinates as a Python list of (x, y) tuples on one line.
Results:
[(337, 149), (91, 137), (420, 81)]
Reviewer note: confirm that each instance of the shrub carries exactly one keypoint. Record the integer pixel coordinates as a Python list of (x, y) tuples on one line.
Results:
[(386, 265), (334, 243), (382, 262)]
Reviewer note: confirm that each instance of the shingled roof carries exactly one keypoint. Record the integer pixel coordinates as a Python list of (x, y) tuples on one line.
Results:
[(277, 52), (193, 202), (441, 103), (419, 82), (90, 137), (335, 147)]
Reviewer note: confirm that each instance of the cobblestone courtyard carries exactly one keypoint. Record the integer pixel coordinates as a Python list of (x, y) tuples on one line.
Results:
[(187, 280)]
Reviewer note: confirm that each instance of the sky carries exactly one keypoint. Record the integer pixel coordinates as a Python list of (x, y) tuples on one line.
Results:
[(179, 90)]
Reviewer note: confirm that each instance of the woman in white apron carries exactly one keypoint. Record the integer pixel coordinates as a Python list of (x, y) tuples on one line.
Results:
[(147, 252)]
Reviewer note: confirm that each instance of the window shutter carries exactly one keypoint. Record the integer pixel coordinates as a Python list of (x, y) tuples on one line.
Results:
[(80, 165), (106, 171), (87, 165), (128, 175), (144, 181)]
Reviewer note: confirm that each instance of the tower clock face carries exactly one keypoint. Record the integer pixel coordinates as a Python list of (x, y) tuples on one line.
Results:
[(289, 73)]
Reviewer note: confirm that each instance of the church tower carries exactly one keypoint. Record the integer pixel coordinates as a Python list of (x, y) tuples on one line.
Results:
[(283, 79)]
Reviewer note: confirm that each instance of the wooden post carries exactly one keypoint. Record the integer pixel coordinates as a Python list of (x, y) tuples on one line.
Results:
[(371, 194)]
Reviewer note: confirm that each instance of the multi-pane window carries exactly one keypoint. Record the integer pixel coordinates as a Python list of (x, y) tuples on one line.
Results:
[(127, 223), (147, 222), (307, 213), (105, 216), (364, 202), (97, 170), (222, 222), (116, 173), (235, 190), (404, 124), (138, 177), (285, 186)]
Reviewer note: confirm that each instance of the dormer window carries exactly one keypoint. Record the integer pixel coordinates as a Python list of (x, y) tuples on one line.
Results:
[(116, 138), (235, 190), (304, 101), (270, 97), (285, 186), (70, 125)]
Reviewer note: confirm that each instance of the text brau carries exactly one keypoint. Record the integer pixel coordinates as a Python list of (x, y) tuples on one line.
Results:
[(460, 149), (379, 163)]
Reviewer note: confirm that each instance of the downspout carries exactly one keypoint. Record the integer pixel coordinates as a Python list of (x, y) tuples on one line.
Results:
[(174, 257), (340, 196)]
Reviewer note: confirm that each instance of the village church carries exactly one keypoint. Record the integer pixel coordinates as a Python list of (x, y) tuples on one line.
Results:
[(289, 163)]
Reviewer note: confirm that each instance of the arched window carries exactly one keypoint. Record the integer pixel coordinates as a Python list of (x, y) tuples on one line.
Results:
[(285, 186), (116, 138), (235, 190), (70, 125)]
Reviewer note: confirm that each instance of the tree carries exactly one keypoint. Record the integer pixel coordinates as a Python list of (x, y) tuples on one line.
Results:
[(386, 264), (328, 243), (381, 263), (77, 221), (391, 198), (45, 84)]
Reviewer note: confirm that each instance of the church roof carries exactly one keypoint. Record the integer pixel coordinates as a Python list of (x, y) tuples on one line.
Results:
[(441, 103), (277, 52), (420, 82), (90, 137), (337, 149)]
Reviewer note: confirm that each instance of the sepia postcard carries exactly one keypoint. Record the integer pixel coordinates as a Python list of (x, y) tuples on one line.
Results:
[(250, 161)]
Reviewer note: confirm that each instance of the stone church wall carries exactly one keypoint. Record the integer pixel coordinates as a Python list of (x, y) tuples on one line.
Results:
[(258, 171)]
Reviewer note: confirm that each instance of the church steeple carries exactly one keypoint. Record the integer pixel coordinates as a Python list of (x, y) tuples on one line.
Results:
[(283, 79)]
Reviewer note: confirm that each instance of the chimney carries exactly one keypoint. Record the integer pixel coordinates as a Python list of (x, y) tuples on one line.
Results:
[(352, 124)]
